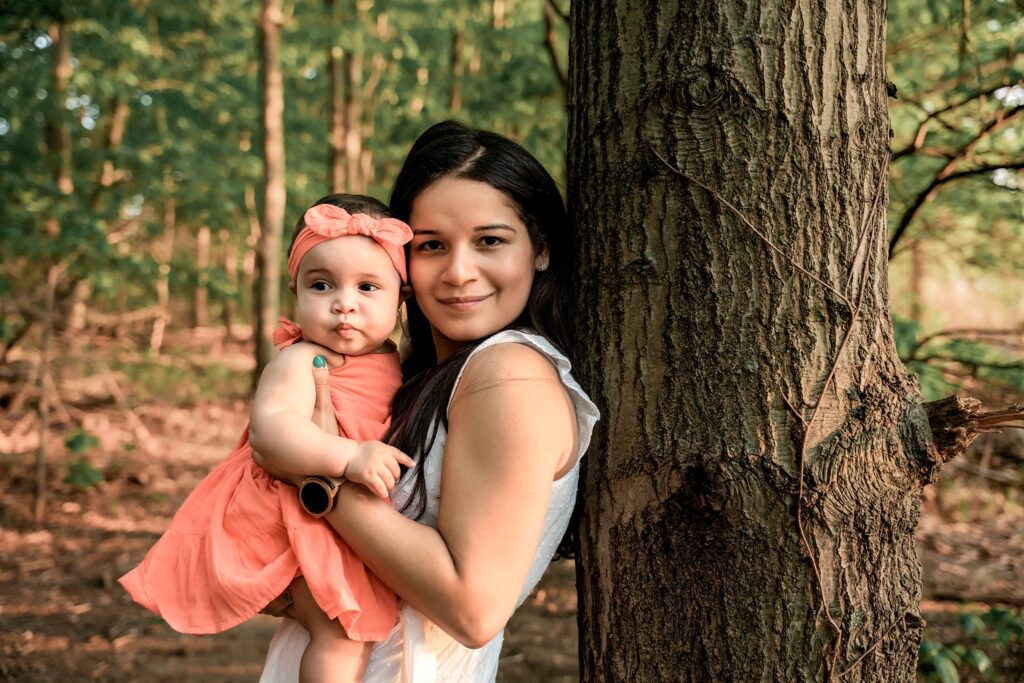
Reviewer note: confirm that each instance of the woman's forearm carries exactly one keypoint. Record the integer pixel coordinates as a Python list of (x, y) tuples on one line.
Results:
[(416, 562)]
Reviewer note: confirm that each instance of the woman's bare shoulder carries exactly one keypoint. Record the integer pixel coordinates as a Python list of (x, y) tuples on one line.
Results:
[(508, 360)]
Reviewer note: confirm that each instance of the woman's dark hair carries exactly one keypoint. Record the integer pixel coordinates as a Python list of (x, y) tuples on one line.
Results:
[(453, 150), (353, 203)]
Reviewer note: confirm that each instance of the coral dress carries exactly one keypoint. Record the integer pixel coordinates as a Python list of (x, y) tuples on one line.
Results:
[(241, 536)]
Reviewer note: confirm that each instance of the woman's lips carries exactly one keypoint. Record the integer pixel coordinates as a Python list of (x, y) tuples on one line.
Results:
[(463, 303)]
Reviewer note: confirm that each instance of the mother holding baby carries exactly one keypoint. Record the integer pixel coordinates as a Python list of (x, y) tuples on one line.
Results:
[(489, 411)]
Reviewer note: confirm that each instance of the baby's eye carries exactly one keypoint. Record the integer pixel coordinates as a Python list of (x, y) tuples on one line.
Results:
[(491, 240), (320, 286), (369, 287)]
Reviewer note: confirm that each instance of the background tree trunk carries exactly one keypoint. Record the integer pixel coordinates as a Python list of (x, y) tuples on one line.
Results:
[(746, 370), (336, 124), (200, 314), (269, 250), (353, 119), (58, 145)]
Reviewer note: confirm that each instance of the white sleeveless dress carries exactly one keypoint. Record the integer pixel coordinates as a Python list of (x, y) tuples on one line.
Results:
[(417, 650)]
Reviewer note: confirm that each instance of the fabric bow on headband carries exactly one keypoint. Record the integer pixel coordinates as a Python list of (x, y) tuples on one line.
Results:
[(327, 221)]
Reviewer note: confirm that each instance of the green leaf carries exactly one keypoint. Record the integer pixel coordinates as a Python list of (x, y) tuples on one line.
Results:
[(946, 670), (81, 441), (82, 474), (979, 661), (971, 624)]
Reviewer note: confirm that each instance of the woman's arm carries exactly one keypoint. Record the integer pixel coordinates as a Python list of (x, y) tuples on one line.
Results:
[(511, 432)]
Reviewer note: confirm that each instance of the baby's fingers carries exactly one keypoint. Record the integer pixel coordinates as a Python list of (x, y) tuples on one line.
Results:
[(376, 485), (404, 459)]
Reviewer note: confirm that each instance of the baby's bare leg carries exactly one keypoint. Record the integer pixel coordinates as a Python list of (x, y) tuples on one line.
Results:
[(331, 655)]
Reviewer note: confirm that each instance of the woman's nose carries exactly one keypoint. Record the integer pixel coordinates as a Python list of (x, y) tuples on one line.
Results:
[(460, 268)]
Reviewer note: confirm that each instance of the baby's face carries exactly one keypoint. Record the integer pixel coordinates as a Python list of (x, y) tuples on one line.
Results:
[(347, 294)]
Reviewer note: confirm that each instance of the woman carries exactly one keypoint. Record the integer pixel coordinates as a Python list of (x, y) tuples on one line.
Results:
[(494, 419)]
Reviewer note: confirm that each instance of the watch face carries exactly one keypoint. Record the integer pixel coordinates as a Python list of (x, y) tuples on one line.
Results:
[(315, 497)]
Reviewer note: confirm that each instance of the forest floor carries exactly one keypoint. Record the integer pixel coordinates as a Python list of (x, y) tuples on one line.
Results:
[(162, 424)]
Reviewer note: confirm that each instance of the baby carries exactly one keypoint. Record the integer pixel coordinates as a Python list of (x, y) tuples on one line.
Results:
[(241, 538)]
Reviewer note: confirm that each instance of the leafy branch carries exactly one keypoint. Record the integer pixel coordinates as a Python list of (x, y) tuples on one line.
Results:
[(949, 172)]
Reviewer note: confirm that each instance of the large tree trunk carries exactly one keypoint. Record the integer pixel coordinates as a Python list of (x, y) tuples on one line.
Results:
[(759, 429), (268, 288)]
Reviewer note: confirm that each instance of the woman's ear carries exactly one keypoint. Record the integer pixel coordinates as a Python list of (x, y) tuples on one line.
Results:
[(404, 292), (542, 259)]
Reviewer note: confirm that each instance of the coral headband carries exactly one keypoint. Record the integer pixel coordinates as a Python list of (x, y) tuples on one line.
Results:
[(327, 221)]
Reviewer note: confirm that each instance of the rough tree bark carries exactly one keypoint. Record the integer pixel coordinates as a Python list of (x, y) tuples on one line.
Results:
[(268, 289), (750, 501)]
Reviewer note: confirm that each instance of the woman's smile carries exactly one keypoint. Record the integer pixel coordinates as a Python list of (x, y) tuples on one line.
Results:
[(464, 303)]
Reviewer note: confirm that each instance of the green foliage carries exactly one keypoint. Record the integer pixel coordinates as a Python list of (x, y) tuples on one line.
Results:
[(80, 472), (81, 441), (969, 69), (943, 362), (993, 630)]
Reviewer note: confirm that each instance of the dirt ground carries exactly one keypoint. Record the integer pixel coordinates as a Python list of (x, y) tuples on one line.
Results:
[(64, 618)]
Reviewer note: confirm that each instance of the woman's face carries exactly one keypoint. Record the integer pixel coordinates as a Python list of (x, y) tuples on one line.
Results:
[(471, 263)]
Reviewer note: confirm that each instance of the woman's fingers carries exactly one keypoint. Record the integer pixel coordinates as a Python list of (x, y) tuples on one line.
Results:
[(323, 409)]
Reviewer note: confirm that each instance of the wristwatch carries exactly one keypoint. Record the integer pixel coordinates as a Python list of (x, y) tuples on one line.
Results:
[(317, 494)]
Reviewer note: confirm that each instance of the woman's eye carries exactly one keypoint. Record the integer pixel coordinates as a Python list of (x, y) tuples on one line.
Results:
[(429, 245), (491, 241)]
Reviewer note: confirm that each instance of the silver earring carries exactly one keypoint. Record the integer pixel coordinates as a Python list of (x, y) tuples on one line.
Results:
[(542, 267)]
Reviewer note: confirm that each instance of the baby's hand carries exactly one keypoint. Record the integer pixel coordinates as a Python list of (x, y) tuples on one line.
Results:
[(375, 465)]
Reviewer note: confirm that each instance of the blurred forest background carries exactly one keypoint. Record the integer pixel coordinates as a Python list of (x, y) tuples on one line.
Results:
[(133, 177)]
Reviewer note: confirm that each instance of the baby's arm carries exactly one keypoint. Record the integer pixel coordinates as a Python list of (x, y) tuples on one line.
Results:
[(280, 427), (281, 431)]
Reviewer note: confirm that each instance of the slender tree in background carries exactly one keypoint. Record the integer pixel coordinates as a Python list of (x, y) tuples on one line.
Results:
[(269, 250), (751, 501), (58, 146), (335, 97)]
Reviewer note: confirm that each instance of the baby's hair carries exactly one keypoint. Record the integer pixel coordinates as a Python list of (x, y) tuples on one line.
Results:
[(353, 203)]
